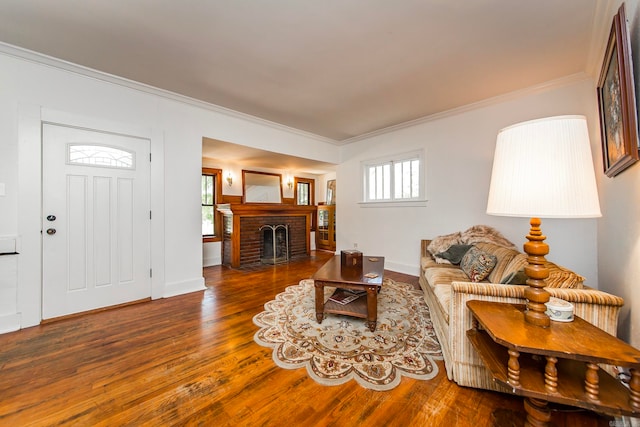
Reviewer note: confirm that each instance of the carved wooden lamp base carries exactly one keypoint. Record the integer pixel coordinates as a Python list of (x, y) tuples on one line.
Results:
[(536, 272)]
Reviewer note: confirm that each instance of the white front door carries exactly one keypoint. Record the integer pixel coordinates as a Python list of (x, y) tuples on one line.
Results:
[(95, 220)]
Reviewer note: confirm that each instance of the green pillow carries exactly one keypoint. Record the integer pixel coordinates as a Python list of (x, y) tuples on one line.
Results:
[(515, 278), (454, 254)]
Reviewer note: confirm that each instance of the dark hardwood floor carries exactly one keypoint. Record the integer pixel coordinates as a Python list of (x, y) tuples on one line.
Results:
[(191, 360)]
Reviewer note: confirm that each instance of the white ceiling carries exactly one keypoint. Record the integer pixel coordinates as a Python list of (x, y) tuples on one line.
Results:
[(226, 153), (336, 68)]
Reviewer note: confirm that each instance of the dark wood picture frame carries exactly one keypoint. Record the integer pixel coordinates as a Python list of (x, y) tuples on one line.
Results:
[(617, 101)]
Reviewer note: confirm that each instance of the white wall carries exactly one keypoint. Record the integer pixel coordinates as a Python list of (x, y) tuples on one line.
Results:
[(30, 86), (459, 155), (619, 227)]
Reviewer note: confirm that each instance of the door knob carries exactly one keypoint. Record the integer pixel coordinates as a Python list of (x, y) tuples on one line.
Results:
[(51, 217), (51, 231)]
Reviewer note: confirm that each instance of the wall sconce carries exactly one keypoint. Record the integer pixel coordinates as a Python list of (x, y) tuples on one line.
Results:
[(229, 179), (290, 183)]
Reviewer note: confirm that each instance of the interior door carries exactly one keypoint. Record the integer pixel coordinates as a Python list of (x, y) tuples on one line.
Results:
[(96, 220)]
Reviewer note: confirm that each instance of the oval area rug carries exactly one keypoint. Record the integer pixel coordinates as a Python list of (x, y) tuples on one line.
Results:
[(342, 348)]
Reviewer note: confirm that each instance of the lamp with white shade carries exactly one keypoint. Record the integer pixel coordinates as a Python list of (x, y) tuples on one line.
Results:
[(543, 169)]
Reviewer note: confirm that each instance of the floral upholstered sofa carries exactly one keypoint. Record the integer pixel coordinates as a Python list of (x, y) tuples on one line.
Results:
[(480, 264)]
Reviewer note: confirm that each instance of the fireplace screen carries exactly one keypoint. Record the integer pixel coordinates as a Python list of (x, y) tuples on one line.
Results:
[(275, 244)]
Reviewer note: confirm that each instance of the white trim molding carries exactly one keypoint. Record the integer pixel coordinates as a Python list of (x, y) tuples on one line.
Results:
[(553, 84), (39, 58), (184, 287), (29, 282)]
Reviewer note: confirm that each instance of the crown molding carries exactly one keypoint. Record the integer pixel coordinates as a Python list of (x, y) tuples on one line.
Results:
[(600, 27), (552, 84), (46, 60), (60, 64)]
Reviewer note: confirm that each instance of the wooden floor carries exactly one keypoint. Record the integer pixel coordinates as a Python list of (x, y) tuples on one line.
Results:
[(191, 360)]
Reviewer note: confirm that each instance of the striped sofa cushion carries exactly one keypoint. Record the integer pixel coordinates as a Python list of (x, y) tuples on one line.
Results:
[(559, 276), (504, 256)]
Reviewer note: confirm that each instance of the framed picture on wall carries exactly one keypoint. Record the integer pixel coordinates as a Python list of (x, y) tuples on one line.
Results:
[(331, 192), (617, 101)]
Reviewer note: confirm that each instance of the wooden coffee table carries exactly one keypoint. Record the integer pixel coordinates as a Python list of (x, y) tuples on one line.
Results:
[(331, 274)]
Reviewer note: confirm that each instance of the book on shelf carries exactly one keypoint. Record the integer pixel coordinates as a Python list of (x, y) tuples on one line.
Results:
[(344, 296)]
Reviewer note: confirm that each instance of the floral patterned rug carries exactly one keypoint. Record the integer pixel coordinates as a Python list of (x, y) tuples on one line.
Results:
[(342, 348)]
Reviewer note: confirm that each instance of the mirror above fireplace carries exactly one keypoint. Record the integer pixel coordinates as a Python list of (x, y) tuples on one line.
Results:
[(261, 187)]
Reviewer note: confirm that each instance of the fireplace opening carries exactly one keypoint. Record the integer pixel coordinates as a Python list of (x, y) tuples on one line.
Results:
[(275, 244)]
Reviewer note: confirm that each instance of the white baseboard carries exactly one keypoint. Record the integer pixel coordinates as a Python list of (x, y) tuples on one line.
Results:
[(413, 270), (184, 287), (209, 262), (9, 323)]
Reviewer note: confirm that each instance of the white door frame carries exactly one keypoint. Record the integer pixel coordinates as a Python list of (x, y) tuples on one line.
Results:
[(30, 118)]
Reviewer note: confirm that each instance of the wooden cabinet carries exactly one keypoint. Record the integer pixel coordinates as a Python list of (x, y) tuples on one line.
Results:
[(326, 228)]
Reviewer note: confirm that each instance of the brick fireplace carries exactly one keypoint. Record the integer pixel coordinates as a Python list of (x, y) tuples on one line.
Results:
[(242, 236)]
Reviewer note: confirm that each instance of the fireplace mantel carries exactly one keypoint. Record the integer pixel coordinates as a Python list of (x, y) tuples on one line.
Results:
[(241, 223), (265, 209)]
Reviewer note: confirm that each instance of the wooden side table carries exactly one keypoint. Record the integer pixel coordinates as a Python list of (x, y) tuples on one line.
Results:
[(555, 364)]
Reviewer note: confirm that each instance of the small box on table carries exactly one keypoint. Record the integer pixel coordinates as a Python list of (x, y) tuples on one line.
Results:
[(351, 260)]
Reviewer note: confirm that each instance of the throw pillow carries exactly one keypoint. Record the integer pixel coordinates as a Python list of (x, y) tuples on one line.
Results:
[(442, 243), (454, 254), (515, 278), (477, 264)]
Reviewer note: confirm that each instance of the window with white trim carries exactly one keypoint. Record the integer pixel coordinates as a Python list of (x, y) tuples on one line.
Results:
[(395, 179)]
